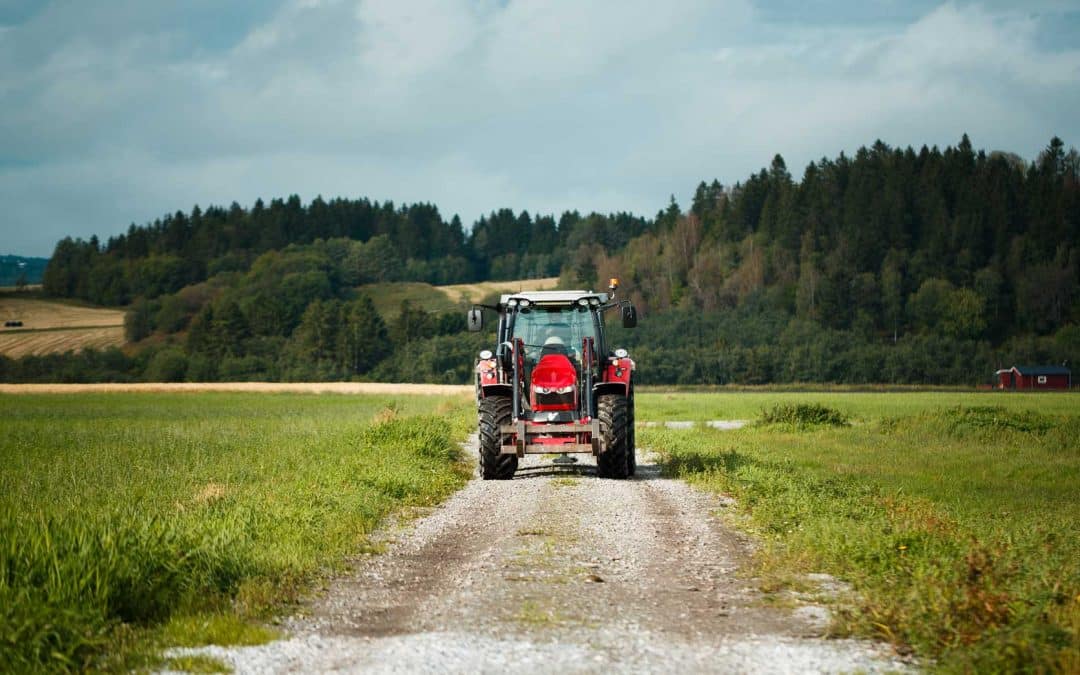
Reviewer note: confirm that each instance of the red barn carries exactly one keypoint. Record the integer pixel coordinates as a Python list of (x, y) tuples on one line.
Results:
[(1035, 377)]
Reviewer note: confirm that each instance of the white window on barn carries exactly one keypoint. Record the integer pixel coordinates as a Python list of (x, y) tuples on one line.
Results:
[(1042, 379)]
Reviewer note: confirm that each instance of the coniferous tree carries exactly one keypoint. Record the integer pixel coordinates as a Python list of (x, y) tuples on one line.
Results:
[(367, 340)]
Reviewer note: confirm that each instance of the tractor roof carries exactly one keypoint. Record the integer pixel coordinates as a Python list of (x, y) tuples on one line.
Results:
[(554, 297)]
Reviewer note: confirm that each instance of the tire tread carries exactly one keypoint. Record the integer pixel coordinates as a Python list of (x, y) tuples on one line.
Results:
[(612, 413), (494, 412)]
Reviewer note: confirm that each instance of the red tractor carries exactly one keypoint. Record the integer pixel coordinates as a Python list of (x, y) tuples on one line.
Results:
[(552, 386)]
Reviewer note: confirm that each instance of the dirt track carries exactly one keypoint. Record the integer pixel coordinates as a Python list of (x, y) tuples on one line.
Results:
[(560, 571), (254, 387)]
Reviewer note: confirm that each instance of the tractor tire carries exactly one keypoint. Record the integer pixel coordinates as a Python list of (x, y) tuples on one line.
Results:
[(495, 412), (613, 462), (631, 437)]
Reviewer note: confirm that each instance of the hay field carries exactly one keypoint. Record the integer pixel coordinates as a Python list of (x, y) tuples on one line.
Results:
[(389, 296), (476, 292), (352, 388), (57, 327)]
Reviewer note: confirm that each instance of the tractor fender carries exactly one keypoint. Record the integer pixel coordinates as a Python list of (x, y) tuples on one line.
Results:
[(617, 387), (502, 389), (619, 371)]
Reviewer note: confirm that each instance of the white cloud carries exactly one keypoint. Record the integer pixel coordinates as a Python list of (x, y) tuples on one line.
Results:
[(967, 40), (399, 41), (479, 104)]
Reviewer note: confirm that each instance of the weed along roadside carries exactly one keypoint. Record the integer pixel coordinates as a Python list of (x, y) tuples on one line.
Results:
[(956, 525), (131, 522)]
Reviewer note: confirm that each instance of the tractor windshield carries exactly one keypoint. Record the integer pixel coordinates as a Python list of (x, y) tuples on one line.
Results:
[(557, 328)]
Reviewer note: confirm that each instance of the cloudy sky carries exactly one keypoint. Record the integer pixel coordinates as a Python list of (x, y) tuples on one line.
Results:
[(118, 111)]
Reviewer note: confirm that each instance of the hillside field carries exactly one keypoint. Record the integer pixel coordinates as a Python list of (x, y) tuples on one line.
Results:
[(389, 296), (59, 326), (50, 326)]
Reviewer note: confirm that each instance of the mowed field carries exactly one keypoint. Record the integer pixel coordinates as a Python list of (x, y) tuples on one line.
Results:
[(389, 296), (56, 327), (49, 327)]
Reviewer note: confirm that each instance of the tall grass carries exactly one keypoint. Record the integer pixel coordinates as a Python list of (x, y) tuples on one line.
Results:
[(124, 512), (957, 525), (802, 416), (656, 405)]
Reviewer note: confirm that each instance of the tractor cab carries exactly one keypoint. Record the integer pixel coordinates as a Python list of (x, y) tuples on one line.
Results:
[(551, 385)]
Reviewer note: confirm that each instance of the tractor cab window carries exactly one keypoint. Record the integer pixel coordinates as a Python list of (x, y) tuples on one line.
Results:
[(553, 330)]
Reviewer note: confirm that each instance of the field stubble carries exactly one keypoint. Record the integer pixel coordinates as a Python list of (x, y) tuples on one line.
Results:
[(50, 327), (389, 296)]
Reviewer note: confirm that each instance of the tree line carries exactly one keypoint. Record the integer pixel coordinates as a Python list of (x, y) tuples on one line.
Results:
[(18, 272), (411, 242), (891, 265)]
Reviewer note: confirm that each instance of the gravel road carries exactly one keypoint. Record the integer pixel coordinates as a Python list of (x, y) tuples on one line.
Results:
[(560, 571)]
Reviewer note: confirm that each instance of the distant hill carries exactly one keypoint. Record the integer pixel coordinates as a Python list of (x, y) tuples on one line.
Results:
[(13, 266), (928, 266)]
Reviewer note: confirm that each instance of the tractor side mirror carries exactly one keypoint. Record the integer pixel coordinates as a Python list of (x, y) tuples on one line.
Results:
[(475, 319), (629, 316)]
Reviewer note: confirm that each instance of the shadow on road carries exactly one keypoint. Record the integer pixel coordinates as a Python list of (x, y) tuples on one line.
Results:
[(644, 471)]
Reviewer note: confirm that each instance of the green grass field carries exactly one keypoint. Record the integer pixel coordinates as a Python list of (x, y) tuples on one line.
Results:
[(130, 521), (955, 516)]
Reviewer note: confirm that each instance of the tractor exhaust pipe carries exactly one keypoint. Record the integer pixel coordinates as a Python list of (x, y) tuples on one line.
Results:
[(519, 355), (586, 367)]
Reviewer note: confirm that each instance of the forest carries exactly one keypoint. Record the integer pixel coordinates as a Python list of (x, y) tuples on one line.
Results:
[(894, 265)]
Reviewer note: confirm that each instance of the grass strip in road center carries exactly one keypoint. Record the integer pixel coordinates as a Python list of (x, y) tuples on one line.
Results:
[(958, 526), (133, 521)]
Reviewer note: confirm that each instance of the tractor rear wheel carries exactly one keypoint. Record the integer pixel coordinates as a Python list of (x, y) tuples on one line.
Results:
[(631, 437), (613, 462), (495, 412)]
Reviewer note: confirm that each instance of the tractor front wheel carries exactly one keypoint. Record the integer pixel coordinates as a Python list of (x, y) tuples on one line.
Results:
[(495, 412), (631, 437), (613, 462)]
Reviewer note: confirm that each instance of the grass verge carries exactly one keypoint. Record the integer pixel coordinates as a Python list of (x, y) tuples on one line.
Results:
[(130, 522), (957, 525)]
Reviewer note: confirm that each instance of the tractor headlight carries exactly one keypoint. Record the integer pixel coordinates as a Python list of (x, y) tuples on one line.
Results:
[(595, 302), (485, 354), (555, 390), (621, 353), (523, 303), (584, 302), (512, 302)]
